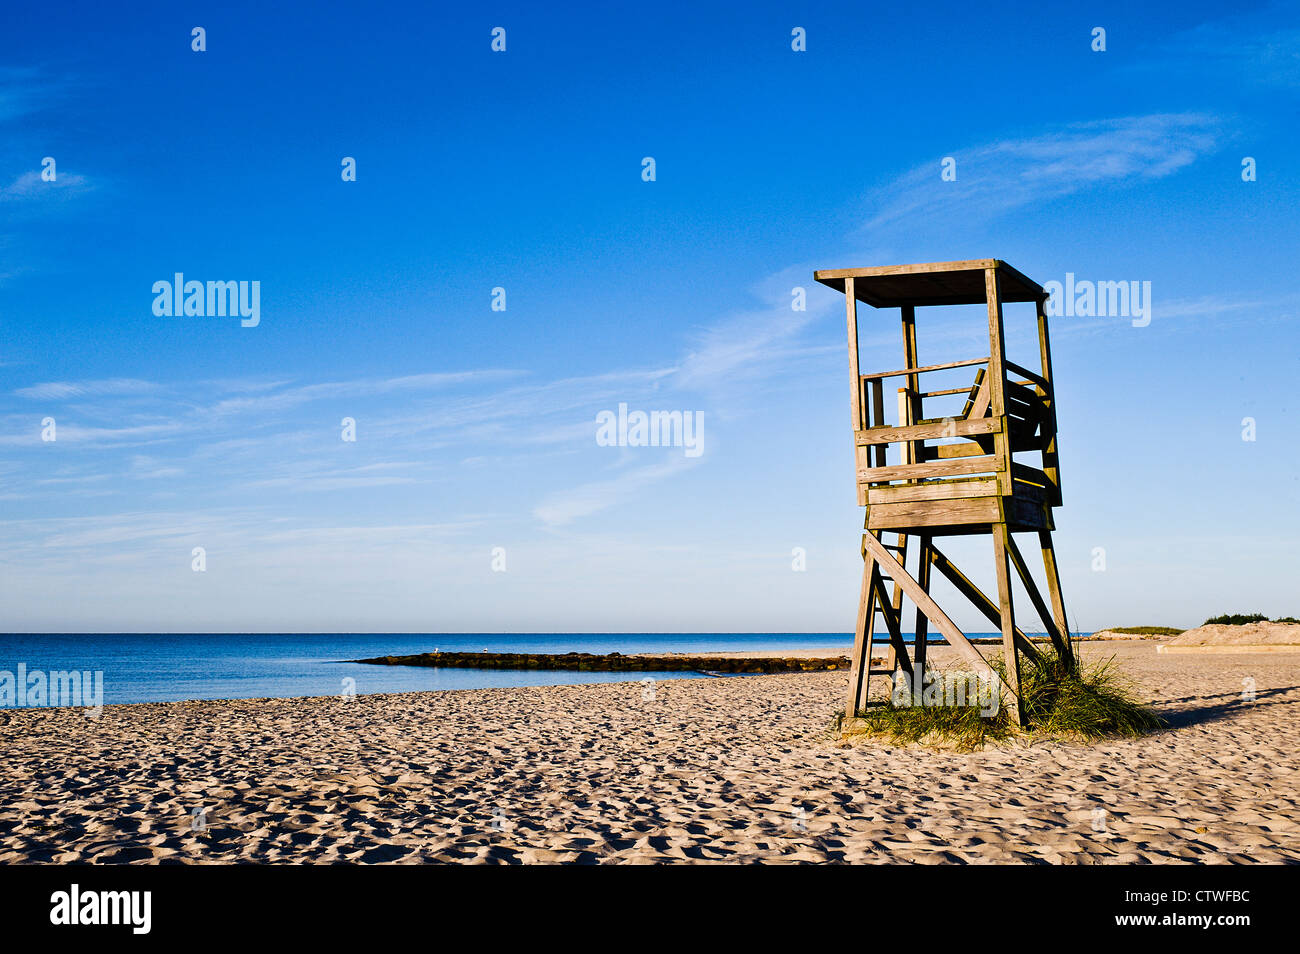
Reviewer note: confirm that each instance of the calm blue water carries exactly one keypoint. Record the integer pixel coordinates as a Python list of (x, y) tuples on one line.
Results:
[(162, 667)]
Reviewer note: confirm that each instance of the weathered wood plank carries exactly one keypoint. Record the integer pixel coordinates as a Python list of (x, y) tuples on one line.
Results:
[(926, 513), (947, 468), (954, 489), (921, 268), (938, 430), (908, 372), (964, 389)]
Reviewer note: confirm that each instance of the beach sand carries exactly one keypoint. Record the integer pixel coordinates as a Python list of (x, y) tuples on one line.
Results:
[(741, 769)]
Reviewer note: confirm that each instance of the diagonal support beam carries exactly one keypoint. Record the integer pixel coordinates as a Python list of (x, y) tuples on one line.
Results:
[(922, 635), (928, 606), (982, 603), (894, 627), (1060, 641)]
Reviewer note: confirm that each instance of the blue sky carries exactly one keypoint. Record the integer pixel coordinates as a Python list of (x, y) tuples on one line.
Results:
[(523, 170)]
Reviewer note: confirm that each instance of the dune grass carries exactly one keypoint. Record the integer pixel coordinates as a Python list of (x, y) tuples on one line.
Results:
[(1080, 703), (1085, 702), (1241, 619), (946, 726), (1146, 630), (1236, 619)]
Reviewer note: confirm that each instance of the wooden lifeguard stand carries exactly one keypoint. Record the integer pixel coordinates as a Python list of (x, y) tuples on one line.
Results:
[(954, 474)]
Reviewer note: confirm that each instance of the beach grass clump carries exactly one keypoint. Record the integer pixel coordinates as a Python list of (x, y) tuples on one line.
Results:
[(1061, 699), (1241, 619), (963, 727), (1145, 630), (1083, 702)]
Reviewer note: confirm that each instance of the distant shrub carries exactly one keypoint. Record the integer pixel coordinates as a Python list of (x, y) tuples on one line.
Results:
[(1286, 619), (1236, 619), (1146, 630)]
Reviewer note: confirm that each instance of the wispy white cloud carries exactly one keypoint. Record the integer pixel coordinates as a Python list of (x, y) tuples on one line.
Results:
[(759, 341), (270, 399), (594, 496), (26, 92), (29, 186), (1013, 173), (66, 390), (22, 430), (166, 536)]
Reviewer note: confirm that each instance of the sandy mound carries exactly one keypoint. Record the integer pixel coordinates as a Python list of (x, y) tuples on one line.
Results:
[(1250, 634)]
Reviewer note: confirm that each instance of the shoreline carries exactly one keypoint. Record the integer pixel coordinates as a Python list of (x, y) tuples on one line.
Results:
[(710, 663)]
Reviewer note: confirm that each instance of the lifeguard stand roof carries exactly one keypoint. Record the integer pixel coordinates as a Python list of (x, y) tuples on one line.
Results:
[(930, 283)]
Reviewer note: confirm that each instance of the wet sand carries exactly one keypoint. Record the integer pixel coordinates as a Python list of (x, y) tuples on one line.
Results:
[(740, 769)]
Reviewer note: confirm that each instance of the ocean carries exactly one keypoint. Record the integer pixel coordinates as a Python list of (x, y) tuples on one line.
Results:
[(168, 667)]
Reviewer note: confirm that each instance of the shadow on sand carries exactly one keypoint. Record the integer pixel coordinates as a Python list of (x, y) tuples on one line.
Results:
[(1210, 711)]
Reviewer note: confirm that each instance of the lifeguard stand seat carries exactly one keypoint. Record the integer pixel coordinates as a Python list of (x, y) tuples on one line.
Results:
[(954, 473)]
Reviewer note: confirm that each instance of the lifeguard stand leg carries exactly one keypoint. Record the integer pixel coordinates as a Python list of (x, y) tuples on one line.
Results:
[(922, 627), (1006, 612), (1054, 589), (863, 637)]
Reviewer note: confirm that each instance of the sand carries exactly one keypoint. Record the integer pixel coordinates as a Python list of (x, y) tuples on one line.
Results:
[(741, 769), (1247, 634)]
